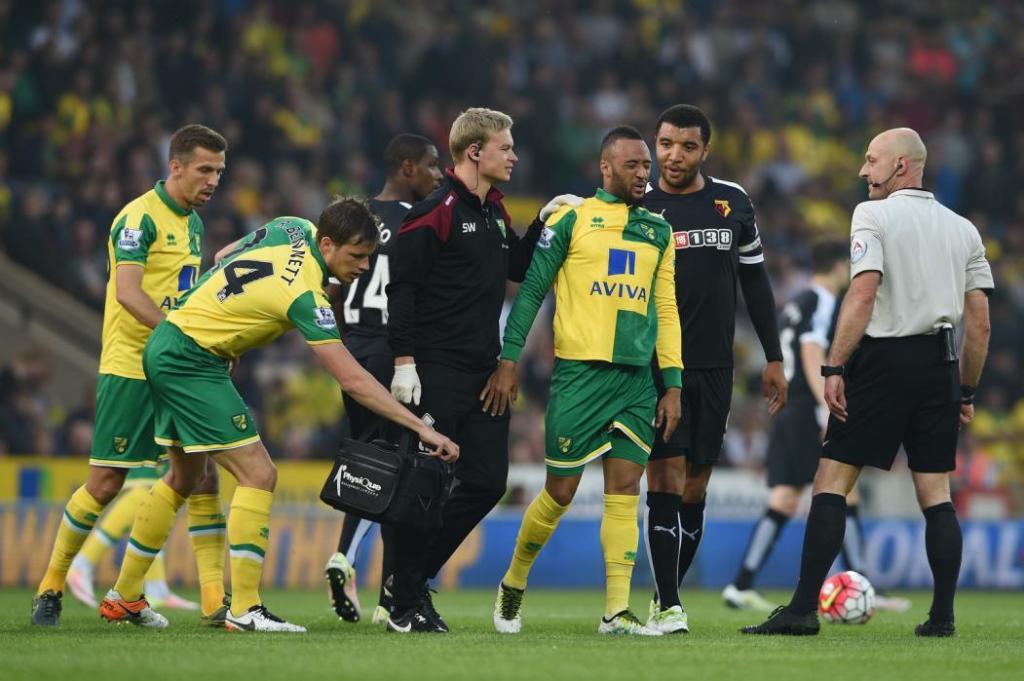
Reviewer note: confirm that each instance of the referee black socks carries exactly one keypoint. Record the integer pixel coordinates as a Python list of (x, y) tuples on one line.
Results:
[(826, 525), (944, 544)]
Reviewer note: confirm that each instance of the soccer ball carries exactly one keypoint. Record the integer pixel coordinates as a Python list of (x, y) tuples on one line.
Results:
[(847, 598)]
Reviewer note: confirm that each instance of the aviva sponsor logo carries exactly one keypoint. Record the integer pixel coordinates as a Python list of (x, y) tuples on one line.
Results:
[(611, 289), (620, 262)]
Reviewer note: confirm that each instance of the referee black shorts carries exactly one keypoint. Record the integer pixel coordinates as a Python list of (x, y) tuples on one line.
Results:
[(898, 391), (706, 398), (794, 446)]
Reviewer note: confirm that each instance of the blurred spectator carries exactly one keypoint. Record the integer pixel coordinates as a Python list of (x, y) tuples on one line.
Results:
[(308, 93)]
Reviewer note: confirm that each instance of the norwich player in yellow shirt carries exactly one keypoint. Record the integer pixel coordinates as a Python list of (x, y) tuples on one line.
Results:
[(273, 281), (613, 269), (154, 255)]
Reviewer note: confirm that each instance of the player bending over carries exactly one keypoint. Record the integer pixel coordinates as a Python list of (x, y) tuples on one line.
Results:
[(272, 282)]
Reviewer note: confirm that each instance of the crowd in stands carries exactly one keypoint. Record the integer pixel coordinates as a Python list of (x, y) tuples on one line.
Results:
[(307, 95)]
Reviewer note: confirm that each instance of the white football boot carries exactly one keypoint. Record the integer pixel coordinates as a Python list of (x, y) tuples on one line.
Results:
[(258, 618), (746, 599), (625, 623), (80, 582), (507, 609), (671, 621)]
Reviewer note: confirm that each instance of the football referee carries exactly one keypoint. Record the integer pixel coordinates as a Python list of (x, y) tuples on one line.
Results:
[(893, 376)]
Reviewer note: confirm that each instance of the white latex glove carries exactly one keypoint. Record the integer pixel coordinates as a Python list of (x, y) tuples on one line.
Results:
[(405, 386), (557, 202)]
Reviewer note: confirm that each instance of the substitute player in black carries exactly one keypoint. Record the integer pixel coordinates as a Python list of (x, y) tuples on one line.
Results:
[(413, 171), (717, 245), (892, 376), (454, 254)]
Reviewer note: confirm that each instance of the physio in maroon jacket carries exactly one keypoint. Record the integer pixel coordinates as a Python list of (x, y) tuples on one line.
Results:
[(455, 251)]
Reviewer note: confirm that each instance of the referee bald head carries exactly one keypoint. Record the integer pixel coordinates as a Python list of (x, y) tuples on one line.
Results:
[(894, 160)]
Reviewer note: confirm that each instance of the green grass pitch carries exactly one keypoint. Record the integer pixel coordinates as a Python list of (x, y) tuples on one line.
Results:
[(558, 643)]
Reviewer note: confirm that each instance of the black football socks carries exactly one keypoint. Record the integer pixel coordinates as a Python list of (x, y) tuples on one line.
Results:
[(663, 542), (944, 545), (826, 525)]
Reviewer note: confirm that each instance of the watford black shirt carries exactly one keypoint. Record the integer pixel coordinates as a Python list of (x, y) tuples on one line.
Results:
[(808, 318), (365, 309), (715, 232)]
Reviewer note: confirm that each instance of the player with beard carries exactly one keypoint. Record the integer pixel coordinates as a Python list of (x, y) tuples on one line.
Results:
[(611, 263), (716, 245), (413, 171)]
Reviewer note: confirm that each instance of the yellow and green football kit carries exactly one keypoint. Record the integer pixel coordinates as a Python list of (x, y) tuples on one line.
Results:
[(613, 270), (164, 239), (155, 233), (274, 281)]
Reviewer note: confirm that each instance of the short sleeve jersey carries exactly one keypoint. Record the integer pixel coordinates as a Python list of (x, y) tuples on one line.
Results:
[(274, 281), (805, 319), (155, 233), (714, 232), (928, 257)]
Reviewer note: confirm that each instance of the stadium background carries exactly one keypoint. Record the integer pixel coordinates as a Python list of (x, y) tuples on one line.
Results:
[(308, 94)]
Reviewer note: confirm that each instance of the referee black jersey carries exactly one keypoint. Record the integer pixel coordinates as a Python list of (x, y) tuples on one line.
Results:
[(715, 232), (364, 329), (808, 317)]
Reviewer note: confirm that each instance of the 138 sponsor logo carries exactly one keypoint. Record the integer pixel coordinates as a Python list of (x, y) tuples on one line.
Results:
[(704, 238)]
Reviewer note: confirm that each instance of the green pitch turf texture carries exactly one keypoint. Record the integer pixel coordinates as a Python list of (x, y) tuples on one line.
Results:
[(559, 643)]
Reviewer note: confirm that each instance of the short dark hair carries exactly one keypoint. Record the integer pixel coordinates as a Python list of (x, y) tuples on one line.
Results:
[(402, 148), (346, 219), (825, 254), (620, 132), (186, 139), (686, 116)]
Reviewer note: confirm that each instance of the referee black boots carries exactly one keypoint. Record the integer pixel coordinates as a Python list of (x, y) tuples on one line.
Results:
[(783, 622), (937, 629)]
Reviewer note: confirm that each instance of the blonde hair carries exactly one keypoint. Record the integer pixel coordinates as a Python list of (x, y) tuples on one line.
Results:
[(475, 126)]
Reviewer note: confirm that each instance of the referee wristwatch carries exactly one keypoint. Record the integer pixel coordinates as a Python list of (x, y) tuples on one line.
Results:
[(829, 370)]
